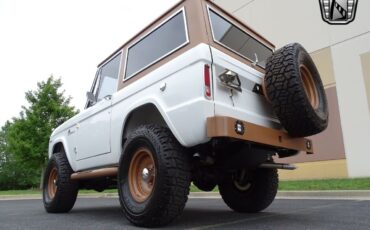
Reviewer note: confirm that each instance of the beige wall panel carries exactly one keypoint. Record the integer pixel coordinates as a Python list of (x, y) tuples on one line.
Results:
[(328, 145), (353, 104), (324, 64), (360, 25), (300, 21), (316, 170), (365, 60), (278, 21), (232, 5)]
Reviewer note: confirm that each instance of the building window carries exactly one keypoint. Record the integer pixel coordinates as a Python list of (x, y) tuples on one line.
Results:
[(232, 37), (161, 42)]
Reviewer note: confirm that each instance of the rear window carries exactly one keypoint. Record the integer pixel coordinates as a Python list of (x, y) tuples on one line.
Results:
[(229, 35), (161, 42)]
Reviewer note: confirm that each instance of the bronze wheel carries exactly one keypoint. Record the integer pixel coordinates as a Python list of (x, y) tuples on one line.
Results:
[(59, 192), (141, 175), (52, 183), (249, 191), (309, 86), (153, 177), (241, 180)]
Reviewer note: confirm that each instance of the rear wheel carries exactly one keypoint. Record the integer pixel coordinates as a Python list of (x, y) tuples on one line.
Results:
[(154, 177), (249, 191), (59, 191)]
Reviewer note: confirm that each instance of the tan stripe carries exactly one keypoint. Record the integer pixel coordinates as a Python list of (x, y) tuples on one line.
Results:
[(316, 170), (329, 144), (324, 64), (330, 85), (365, 60)]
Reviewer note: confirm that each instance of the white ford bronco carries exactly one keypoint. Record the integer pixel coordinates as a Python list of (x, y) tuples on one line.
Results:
[(196, 97)]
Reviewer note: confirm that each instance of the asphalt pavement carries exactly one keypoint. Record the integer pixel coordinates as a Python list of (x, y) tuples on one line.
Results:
[(200, 213)]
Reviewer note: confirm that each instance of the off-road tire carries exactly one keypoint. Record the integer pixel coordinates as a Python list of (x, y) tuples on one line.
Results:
[(260, 194), (66, 190), (294, 87), (172, 177)]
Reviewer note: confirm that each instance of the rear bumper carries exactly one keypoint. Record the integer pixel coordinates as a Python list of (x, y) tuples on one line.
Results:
[(221, 126)]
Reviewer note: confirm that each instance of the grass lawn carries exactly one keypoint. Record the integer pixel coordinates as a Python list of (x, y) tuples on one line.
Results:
[(38, 192), (20, 192), (330, 184)]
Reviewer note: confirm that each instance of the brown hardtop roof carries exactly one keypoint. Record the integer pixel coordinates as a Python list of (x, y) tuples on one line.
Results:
[(169, 11)]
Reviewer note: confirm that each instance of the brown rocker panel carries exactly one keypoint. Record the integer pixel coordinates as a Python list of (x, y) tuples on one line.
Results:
[(221, 126), (104, 172)]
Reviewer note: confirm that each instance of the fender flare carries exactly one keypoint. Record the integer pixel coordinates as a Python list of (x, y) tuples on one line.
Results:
[(62, 140), (159, 107)]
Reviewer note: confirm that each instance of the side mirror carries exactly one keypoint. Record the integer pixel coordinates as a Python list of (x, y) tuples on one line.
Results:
[(91, 97)]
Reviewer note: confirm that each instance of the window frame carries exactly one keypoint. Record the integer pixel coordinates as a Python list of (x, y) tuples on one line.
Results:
[(97, 78), (183, 11), (118, 74), (209, 10), (89, 103)]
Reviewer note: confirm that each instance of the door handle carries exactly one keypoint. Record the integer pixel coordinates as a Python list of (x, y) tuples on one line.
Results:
[(73, 129), (108, 97), (70, 131)]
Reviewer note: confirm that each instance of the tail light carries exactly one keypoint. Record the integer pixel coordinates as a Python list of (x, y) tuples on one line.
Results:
[(207, 81)]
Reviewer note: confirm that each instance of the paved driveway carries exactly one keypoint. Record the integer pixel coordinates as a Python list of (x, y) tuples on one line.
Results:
[(200, 213)]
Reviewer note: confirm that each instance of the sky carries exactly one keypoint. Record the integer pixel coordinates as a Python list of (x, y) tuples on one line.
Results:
[(66, 39)]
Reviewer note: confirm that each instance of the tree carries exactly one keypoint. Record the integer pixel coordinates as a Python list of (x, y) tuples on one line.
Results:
[(27, 137), (13, 174), (3, 155)]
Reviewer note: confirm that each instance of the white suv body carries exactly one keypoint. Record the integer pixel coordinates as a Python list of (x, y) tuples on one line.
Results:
[(93, 138), (183, 101)]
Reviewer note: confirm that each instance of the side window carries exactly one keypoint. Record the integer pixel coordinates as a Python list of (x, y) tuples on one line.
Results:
[(161, 42), (231, 36), (108, 78)]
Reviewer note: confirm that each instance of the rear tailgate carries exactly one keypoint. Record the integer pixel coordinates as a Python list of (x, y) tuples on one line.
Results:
[(245, 105)]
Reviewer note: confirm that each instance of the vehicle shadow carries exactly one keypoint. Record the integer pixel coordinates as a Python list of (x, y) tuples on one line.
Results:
[(197, 214)]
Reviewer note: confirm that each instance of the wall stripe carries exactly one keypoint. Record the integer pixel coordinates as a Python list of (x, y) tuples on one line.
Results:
[(316, 170), (324, 63), (365, 61), (328, 145)]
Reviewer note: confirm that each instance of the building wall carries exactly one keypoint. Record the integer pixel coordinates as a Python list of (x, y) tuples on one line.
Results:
[(353, 104), (342, 55), (287, 21)]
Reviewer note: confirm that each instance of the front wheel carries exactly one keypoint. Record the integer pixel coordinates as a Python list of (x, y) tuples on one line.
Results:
[(153, 177), (59, 191), (249, 191)]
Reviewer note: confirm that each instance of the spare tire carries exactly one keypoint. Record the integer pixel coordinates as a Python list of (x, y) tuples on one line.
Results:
[(293, 86)]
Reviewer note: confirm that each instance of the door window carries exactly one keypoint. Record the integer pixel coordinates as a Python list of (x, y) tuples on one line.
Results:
[(108, 78)]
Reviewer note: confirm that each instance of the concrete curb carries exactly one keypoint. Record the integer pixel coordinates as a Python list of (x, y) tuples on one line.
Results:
[(340, 194)]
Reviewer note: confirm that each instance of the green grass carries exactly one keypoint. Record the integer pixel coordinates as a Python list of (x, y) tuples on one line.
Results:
[(38, 192), (329, 184), (20, 192), (306, 185)]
